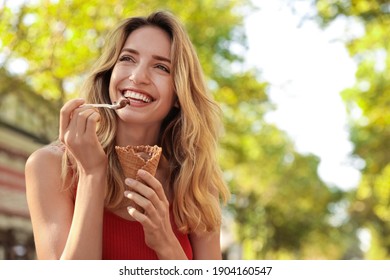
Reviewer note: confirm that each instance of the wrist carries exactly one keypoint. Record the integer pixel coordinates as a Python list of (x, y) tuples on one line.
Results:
[(96, 170), (93, 182), (171, 251)]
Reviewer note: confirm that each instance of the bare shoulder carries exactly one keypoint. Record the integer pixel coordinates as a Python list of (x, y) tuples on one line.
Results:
[(47, 155), (44, 165)]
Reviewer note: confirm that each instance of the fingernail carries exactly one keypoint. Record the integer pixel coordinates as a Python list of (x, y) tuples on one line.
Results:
[(129, 181), (130, 209)]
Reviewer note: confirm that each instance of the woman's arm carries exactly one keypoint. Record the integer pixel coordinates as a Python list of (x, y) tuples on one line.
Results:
[(50, 209), (64, 229)]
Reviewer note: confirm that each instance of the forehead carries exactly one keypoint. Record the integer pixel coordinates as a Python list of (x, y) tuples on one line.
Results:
[(150, 40)]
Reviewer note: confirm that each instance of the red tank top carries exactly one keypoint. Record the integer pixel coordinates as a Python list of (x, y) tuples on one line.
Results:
[(124, 240)]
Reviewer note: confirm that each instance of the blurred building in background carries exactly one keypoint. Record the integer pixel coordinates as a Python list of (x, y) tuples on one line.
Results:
[(16, 238), (27, 122)]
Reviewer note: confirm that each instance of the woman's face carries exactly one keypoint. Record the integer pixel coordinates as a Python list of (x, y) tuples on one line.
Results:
[(142, 74)]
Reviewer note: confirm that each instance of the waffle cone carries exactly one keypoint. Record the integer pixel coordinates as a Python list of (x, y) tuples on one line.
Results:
[(133, 158)]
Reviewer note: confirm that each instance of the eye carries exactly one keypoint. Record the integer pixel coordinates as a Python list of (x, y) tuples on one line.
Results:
[(163, 68), (126, 58)]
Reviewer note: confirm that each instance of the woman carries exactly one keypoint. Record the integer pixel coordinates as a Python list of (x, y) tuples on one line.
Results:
[(76, 188)]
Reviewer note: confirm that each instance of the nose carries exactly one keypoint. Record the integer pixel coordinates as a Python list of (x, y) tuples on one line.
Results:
[(139, 75)]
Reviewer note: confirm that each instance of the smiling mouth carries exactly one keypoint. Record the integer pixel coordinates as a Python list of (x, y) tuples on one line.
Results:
[(136, 96)]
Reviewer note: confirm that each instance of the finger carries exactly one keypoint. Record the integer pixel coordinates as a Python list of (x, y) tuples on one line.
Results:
[(72, 132), (141, 188), (93, 119), (148, 192), (152, 182), (148, 206), (139, 217), (76, 129), (83, 120), (66, 115)]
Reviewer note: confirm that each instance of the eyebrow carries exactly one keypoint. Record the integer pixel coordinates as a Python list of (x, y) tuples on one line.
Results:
[(158, 57)]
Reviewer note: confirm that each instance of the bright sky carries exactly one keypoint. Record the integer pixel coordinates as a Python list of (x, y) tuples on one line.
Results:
[(307, 68)]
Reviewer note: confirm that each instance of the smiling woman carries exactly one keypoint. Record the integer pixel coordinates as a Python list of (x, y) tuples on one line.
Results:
[(82, 205)]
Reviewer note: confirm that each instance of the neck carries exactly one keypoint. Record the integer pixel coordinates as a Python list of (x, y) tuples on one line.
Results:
[(137, 134)]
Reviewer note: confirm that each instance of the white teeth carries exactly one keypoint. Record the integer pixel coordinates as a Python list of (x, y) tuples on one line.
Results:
[(137, 95)]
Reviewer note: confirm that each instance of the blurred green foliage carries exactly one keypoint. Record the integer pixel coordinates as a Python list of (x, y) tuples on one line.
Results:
[(281, 208), (368, 103)]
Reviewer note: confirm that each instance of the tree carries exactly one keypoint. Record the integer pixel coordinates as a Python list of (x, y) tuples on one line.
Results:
[(368, 102)]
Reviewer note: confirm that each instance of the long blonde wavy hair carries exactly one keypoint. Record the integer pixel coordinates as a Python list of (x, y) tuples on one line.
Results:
[(188, 136)]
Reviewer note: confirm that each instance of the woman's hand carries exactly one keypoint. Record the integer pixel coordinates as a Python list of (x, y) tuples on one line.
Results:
[(78, 133), (155, 219)]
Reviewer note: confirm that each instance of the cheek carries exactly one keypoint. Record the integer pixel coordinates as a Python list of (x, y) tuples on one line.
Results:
[(168, 96), (167, 89)]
